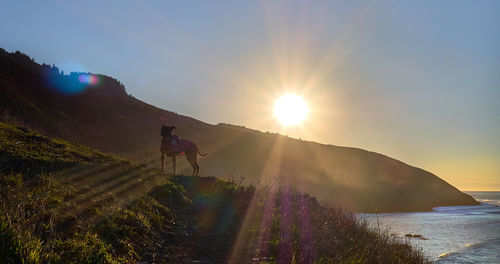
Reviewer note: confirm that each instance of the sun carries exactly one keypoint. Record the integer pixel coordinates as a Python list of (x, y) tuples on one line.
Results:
[(290, 110)]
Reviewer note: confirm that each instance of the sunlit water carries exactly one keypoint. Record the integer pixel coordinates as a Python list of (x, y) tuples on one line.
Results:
[(454, 234)]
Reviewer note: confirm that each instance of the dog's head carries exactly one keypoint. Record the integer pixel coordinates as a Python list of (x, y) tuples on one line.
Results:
[(166, 130)]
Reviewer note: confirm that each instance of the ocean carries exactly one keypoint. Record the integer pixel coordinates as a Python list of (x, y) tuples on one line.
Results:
[(452, 234)]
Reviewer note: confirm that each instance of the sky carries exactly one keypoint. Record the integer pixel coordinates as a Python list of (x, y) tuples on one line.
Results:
[(415, 80)]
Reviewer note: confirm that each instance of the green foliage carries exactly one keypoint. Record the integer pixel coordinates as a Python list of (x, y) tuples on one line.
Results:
[(82, 248), (17, 245)]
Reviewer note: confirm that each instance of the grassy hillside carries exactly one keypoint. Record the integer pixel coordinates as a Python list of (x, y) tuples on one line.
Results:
[(103, 116), (66, 203)]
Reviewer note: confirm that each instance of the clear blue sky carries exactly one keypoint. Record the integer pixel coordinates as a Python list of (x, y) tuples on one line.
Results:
[(416, 80)]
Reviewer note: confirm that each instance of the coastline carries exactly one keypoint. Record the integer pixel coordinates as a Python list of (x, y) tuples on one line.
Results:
[(452, 234)]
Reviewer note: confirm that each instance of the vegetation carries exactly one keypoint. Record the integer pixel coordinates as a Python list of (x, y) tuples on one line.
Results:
[(29, 153), (67, 203)]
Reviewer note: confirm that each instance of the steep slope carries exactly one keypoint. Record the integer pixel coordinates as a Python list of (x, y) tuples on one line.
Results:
[(95, 110), (78, 205)]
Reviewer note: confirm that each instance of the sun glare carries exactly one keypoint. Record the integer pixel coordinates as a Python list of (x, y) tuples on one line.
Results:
[(290, 110)]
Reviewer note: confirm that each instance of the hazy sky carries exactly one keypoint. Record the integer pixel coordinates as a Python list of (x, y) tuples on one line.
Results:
[(415, 80)]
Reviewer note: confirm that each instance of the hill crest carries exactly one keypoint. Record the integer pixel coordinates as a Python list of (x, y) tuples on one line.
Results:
[(103, 116)]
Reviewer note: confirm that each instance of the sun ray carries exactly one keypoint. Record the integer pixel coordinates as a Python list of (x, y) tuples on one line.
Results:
[(306, 234), (285, 250), (342, 48), (269, 175)]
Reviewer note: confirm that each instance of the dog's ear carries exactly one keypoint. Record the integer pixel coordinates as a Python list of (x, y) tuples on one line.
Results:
[(173, 127)]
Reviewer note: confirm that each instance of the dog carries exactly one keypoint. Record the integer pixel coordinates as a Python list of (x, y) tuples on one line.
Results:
[(172, 145)]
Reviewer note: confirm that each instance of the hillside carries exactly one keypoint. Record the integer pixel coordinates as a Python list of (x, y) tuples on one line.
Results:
[(100, 114), (66, 203)]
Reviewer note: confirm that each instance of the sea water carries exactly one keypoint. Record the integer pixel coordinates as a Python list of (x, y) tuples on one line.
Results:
[(451, 234)]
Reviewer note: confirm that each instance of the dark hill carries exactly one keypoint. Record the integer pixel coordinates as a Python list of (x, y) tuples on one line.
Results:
[(101, 114)]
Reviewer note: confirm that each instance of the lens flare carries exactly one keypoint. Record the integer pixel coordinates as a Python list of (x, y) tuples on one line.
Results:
[(72, 84), (89, 79)]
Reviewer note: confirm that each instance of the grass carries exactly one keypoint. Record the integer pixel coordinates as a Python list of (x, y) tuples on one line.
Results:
[(66, 203), (29, 153)]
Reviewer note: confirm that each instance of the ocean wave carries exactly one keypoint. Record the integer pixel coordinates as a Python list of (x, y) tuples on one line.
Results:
[(448, 209), (483, 252), (452, 253), (484, 208), (489, 201)]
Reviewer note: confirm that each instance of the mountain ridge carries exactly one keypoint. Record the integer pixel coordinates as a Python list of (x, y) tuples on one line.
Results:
[(102, 115)]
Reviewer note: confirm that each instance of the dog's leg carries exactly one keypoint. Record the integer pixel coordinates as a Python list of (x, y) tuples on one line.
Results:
[(173, 162), (196, 167), (192, 159), (163, 162)]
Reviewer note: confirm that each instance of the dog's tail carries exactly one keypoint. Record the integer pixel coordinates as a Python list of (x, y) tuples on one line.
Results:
[(203, 155)]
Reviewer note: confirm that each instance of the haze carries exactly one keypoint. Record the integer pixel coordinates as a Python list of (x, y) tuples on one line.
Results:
[(417, 81)]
